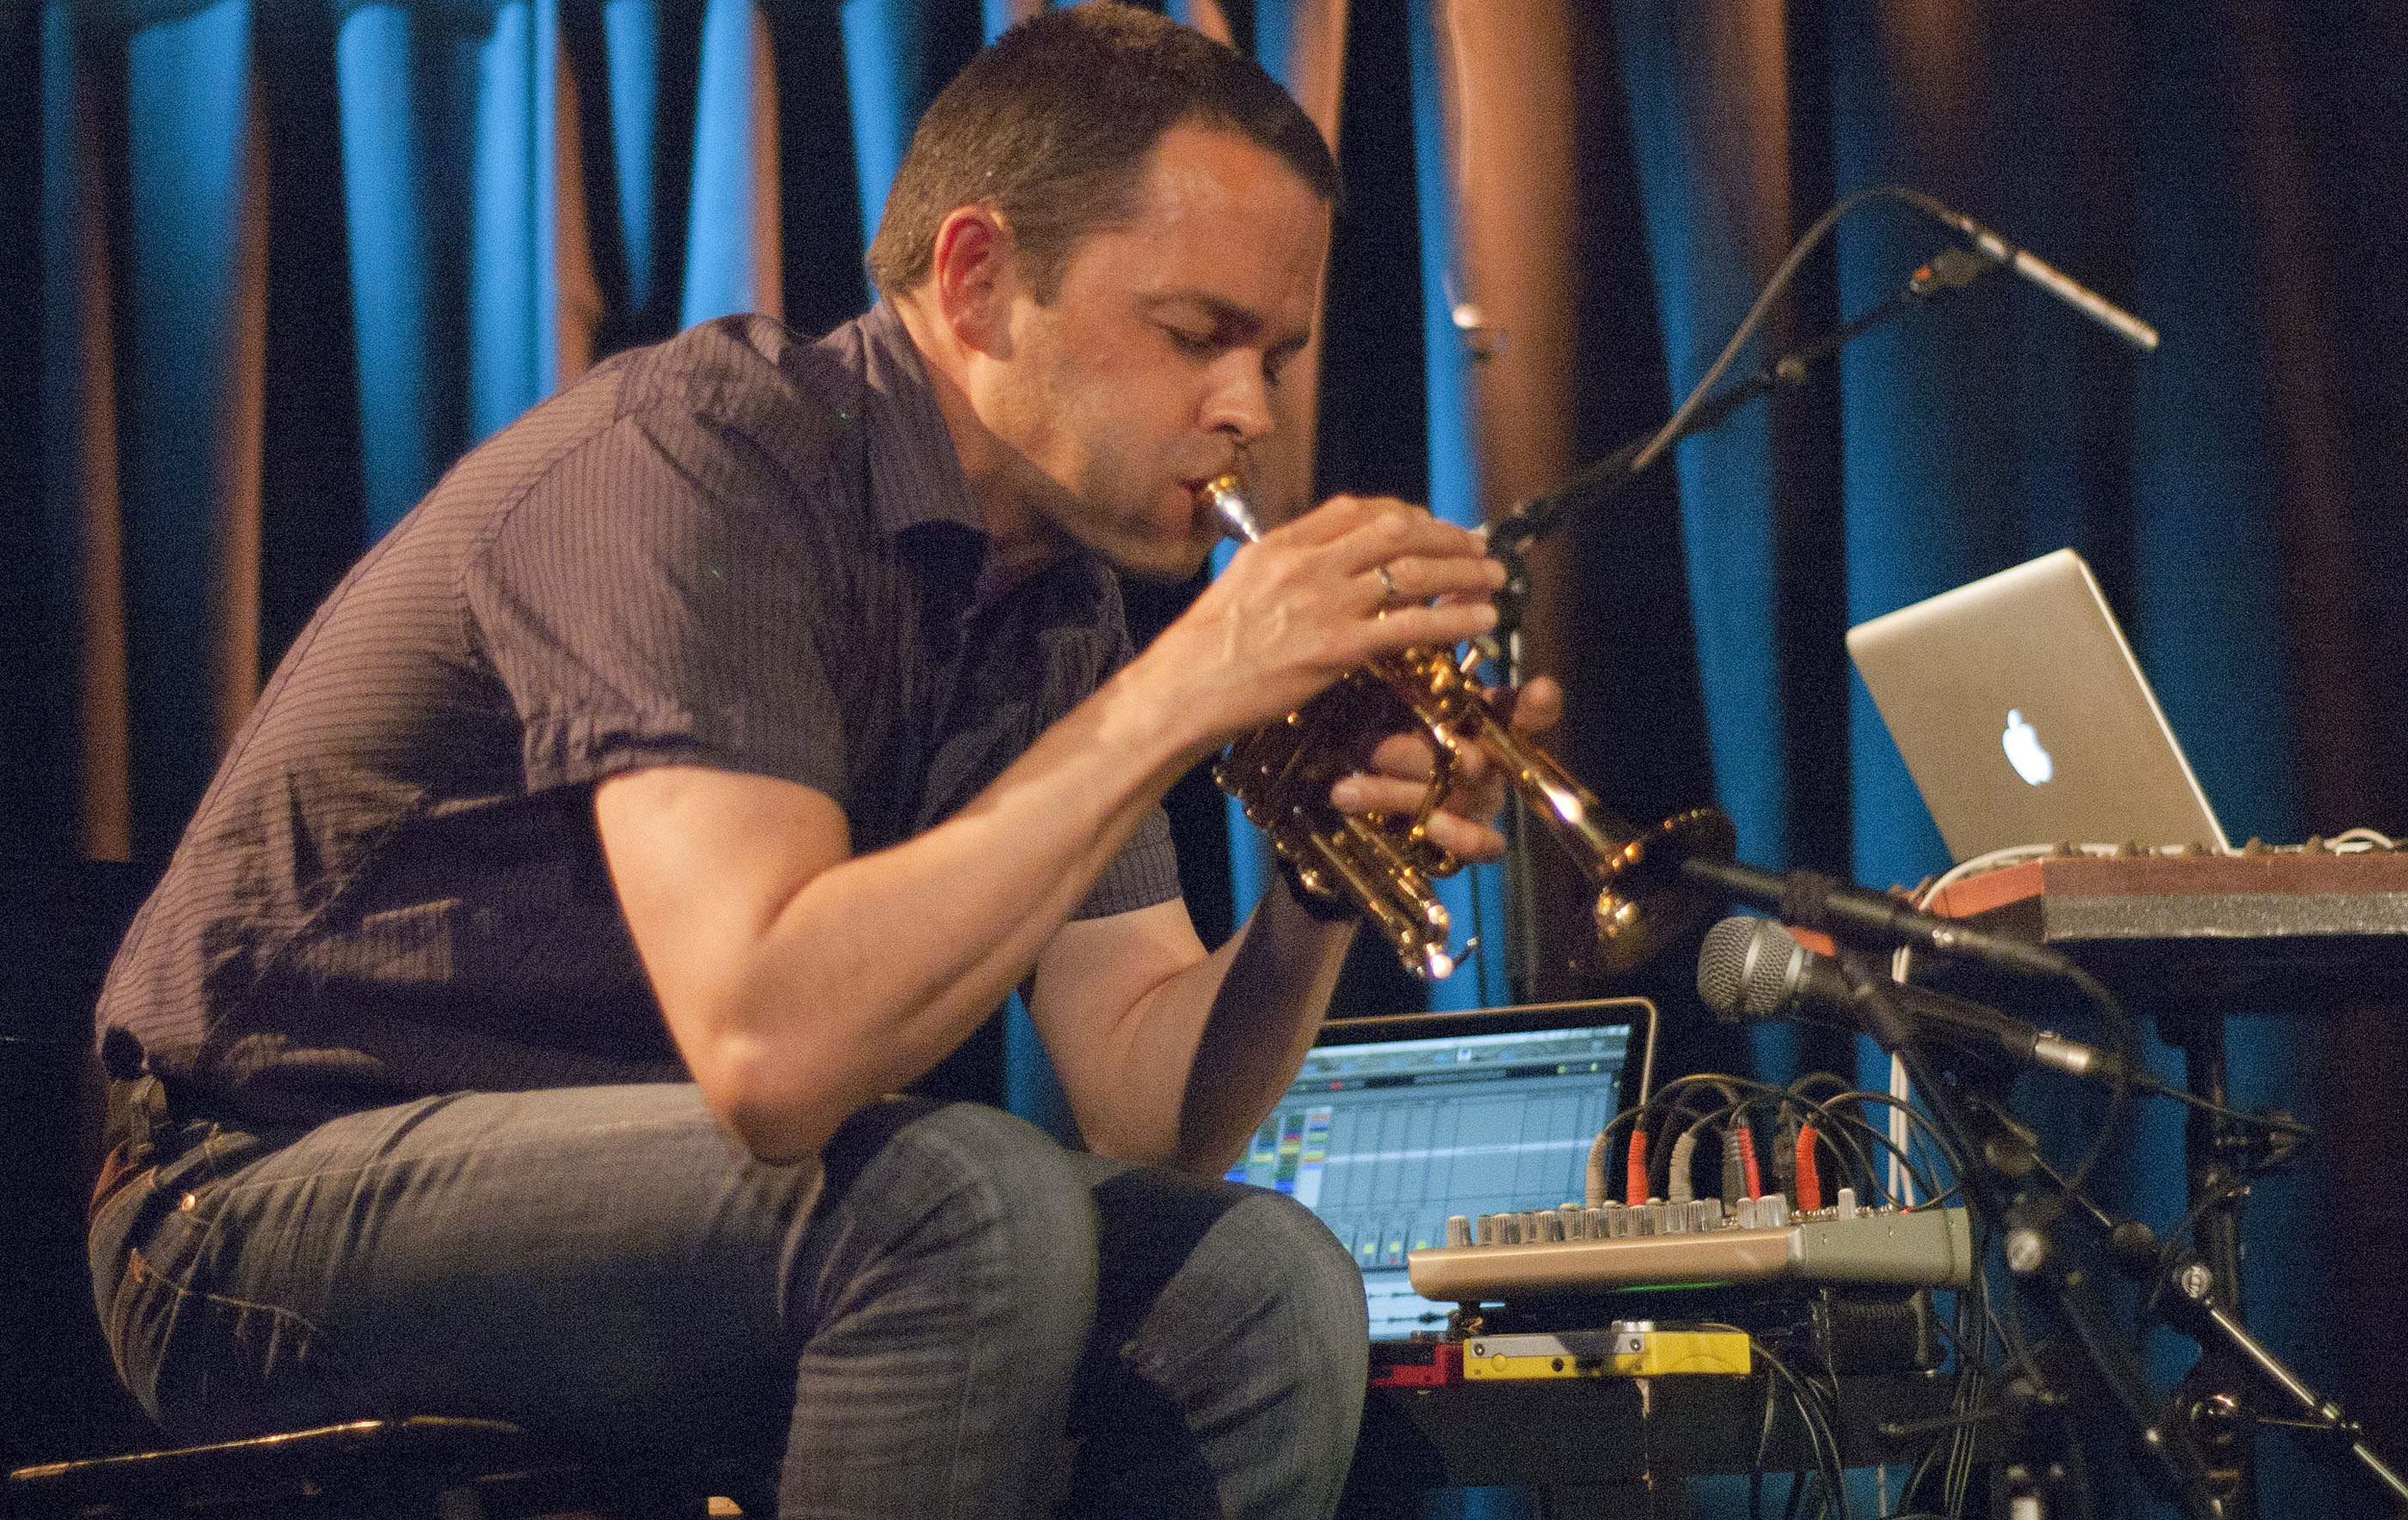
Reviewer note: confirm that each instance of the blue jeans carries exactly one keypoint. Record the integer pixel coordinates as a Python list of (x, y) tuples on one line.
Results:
[(920, 1335)]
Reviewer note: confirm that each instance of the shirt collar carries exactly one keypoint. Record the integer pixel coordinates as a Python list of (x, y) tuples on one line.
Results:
[(907, 428)]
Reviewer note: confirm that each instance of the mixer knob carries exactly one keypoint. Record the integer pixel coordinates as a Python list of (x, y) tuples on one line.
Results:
[(1458, 1230)]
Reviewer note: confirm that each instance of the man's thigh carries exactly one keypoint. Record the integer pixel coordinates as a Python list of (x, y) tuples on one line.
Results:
[(590, 1256)]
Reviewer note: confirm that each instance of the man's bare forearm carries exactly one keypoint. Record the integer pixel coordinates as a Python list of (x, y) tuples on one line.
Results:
[(1263, 1019), (1187, 1071)]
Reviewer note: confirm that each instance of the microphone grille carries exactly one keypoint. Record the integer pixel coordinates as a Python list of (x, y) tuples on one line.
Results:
[(1772, 961), (1721, 963)]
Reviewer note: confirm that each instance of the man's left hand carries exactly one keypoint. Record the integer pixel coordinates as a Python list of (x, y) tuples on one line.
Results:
[(1463, 824)]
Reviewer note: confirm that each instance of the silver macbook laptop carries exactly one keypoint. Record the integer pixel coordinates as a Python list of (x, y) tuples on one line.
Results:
[(2025, 719), (1396, 1123)]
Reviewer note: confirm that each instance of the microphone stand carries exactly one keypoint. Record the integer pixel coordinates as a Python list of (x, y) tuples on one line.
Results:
[(2000, 1161), (1996, 1167)]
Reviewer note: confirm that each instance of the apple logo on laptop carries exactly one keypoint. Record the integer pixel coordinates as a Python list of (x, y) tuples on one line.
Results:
[(2024, 752)]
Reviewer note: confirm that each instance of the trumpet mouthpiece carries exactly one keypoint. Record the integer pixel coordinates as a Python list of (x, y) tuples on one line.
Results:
[(1226, 497)]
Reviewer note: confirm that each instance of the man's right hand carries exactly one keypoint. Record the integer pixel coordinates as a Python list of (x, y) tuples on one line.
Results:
[(1312, 600)]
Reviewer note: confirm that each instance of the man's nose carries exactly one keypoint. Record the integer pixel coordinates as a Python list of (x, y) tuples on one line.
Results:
[(1240, 401)]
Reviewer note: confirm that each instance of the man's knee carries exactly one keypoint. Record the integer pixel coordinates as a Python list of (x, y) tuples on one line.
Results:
[(991, 1195), (1262, 1271), (1311, 1274), (1012, 1168), (1243, 1383)]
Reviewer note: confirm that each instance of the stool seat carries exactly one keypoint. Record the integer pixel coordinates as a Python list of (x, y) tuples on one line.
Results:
[(421, 1468)]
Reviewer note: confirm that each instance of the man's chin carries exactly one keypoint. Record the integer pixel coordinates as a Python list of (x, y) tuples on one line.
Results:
[(1133, 548), (1141, 545), (1166, 565)]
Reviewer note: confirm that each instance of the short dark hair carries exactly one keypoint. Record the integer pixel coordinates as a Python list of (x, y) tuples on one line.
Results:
[(1052, 126)]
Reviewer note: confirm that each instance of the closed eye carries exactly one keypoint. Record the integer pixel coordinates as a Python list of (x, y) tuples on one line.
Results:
[(1275, 361)]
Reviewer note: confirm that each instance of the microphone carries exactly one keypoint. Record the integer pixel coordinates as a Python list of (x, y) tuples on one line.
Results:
[(2032, 267), (1752, 969), (1812, 900)]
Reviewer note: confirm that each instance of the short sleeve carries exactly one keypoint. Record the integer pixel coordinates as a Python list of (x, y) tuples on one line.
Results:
[(1144, 873), (652, 600)]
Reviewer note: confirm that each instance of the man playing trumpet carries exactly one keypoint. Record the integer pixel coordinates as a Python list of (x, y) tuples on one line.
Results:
[(703, 761)]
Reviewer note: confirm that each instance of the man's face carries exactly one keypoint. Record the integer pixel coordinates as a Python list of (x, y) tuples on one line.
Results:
[(1161, 352)]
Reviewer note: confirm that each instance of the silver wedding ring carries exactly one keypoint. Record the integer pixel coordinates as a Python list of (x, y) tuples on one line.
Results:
[(1387, 581)]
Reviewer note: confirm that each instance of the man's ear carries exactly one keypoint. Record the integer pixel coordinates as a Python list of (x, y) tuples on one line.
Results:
[(973, 274)]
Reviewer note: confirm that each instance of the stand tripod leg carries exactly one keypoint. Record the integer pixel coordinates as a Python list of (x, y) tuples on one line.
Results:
[(2219, 1333)]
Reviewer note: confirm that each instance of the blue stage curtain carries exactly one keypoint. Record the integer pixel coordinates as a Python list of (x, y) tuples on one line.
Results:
[(384, 131), (727, 266), (1711, 108), (275, 264), (1707, 108)]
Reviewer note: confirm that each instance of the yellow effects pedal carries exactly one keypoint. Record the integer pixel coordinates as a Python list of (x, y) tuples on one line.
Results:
[(1632, 1348)]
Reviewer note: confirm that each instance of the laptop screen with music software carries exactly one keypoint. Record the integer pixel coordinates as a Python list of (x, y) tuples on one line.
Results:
[(1393, 1124)]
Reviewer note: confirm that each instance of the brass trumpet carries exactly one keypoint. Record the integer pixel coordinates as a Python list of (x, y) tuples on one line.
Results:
[(1282, 774)]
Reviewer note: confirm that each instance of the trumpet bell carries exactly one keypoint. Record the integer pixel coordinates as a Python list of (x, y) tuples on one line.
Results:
[(1642, 902)]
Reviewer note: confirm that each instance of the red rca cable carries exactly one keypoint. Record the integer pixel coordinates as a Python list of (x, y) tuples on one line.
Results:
[(1747, 1160), (1810, 1180)]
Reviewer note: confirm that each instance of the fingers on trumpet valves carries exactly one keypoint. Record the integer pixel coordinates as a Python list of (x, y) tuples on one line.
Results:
[(1374, 796), (1376, 850)]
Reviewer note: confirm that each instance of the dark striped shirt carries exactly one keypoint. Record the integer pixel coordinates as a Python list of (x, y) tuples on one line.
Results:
[(732, 549)]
